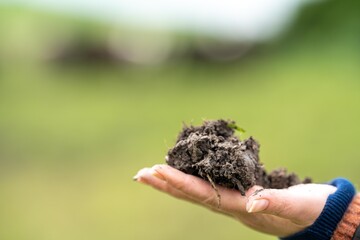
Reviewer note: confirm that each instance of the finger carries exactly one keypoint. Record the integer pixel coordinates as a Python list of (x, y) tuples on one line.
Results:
[(201, 191), (152, 178), (302, 205)]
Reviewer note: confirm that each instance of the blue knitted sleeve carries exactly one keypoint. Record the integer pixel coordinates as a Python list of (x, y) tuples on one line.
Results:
[(334, 209)]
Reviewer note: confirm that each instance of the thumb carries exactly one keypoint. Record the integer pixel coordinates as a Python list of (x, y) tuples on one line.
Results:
[(300, 204)]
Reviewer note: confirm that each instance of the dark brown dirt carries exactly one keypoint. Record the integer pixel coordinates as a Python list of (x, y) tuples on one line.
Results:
[(212, 151)]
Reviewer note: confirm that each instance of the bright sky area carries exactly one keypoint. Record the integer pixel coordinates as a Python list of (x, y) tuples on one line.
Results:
[(233, 19)]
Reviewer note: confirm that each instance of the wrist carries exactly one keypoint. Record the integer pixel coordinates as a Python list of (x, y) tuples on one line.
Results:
[(334, 209)]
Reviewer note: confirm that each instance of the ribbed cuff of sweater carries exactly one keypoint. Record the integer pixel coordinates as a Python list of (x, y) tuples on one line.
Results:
[(334, 209)]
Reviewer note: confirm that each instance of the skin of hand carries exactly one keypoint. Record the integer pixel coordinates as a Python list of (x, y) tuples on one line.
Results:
[(279, 212)]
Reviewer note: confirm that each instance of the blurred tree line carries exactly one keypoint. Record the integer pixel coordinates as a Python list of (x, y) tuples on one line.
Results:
[(62, 39)]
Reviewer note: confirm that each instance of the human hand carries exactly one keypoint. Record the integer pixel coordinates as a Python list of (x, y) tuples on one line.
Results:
[(279, 212)]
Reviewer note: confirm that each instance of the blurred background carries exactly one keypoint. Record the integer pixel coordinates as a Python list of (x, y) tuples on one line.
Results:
[(90, 92)]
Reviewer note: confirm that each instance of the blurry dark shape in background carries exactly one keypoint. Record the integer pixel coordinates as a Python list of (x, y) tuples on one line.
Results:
[(222, 51), (149, 53), (83, 52)]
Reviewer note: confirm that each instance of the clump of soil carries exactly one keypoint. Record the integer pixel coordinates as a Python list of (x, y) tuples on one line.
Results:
[(213, 152)]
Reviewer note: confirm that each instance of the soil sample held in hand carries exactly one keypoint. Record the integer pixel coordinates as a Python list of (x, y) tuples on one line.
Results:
[(213, 152)]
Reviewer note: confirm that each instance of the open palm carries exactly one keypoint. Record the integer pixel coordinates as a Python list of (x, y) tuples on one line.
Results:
[(280, 212)]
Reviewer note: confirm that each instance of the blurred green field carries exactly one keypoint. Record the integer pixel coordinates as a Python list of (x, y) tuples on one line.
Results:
[(73, 136)]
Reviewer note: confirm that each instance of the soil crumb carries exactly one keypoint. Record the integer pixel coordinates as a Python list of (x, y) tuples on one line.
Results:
[(213, 152)]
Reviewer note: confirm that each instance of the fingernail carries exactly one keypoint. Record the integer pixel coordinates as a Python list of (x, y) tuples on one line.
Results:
[(257, 205), (135, 178), (139, 174), (156, 174)]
